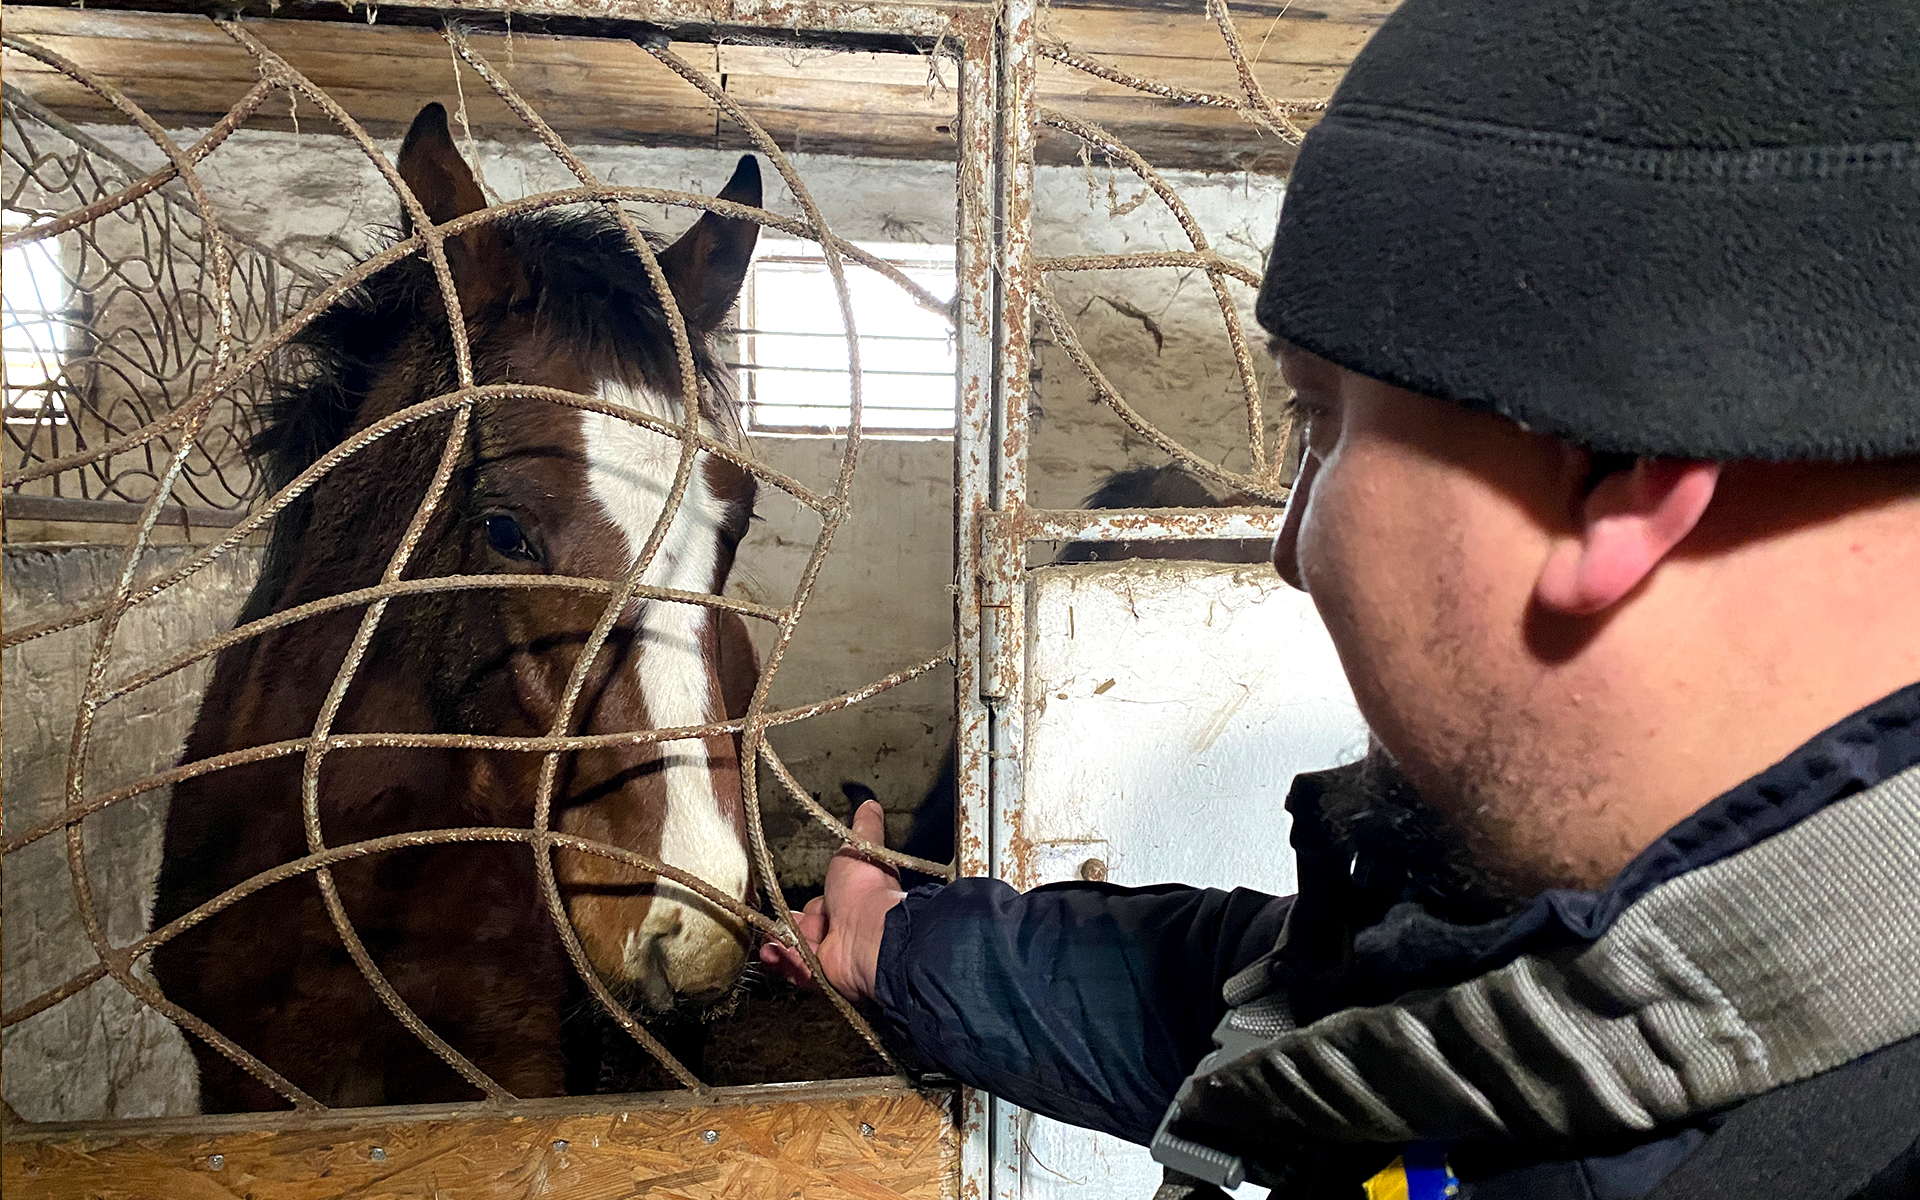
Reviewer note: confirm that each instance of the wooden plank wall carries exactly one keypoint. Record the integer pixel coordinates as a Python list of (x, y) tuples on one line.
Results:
[(186, 73), (858, 1140)]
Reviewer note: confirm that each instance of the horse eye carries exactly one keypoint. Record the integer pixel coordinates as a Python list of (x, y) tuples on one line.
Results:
[(505, 535)]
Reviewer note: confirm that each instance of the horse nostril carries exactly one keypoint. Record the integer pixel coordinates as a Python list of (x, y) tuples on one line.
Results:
[(700, 959), (656, 980)]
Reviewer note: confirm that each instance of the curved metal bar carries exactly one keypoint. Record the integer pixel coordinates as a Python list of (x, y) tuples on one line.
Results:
[(755, 731), (461, 741), (396, 567), (304, 481), (713, 204), (1205, 260), (1067, 56), (210, 141), (1268, 476), (1258, 108), (89, 703), (690, 403), (426, 587), (333, 855), (876, 853)]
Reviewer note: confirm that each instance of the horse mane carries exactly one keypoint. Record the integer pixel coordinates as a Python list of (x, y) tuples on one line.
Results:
[(587, 287), (1168, 486)]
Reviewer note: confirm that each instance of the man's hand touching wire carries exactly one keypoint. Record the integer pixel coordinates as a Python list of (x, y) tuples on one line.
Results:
[(844, 925)]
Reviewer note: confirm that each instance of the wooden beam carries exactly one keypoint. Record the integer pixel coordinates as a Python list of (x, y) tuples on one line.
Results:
[(20, 507), (1100, 31), (184, 71), (385, 113), (185, 67), (851, 1140), (1365, 11)]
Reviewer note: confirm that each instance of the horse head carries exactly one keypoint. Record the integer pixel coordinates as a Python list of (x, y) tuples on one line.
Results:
[(555, 299)]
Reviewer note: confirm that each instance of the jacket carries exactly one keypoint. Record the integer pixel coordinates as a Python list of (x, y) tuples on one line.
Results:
[(1093, 1004)]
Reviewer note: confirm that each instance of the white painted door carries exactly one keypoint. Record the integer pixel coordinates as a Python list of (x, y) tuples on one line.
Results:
[(1168, 706)]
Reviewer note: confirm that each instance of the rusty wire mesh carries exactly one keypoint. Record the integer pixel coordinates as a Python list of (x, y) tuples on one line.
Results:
[(132, 316), (236, 339), (1266, 479), (176, 431)]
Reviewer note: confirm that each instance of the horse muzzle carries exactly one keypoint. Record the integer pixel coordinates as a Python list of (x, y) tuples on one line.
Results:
[(684, 955)]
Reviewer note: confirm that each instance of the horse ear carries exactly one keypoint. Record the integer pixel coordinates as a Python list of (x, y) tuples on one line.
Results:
[(433, 168), (708, 264), (443, 183)]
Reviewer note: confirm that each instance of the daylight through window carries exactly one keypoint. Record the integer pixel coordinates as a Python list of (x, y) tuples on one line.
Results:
[(793, 349), (35, 333)]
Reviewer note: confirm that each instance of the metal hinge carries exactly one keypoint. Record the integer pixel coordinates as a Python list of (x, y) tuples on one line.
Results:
[(1001, 580)]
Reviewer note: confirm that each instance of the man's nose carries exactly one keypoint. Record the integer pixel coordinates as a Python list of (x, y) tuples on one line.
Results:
[(1286, 543)]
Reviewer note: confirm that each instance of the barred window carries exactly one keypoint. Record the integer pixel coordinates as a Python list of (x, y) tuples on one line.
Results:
[(37, 331), (793, 349)]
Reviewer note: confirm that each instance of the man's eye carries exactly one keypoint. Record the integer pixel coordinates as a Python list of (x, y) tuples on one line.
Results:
[(505, 535), (1304, 408), (1296, 449)]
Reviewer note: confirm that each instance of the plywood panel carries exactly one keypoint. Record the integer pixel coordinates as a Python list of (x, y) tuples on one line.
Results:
[(863, 1140)]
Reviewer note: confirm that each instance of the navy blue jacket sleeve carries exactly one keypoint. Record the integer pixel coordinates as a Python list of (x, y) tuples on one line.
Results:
[(1083, 1001)]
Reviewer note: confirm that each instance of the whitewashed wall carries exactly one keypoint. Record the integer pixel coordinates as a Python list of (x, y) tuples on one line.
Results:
[(99, 1054), (1169, 706)]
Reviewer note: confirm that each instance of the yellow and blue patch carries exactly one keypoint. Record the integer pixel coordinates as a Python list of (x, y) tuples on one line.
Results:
[(1421, 1173)]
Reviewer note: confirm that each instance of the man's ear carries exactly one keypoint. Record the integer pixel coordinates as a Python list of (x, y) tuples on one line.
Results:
[(708, 264), (443, 183), (1630, 520)]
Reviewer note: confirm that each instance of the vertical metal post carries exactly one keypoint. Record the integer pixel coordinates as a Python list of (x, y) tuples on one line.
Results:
[(990, 460), (1003, 557), (1005, 551), (973, 475), (973, 478)]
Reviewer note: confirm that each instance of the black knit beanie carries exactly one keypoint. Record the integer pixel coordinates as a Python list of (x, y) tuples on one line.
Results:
[(1684, 228)]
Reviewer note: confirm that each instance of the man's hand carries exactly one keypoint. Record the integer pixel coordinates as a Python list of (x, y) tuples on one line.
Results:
[(845, 923)]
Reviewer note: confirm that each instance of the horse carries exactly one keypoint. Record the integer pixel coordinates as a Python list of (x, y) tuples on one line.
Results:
[(558, 298)]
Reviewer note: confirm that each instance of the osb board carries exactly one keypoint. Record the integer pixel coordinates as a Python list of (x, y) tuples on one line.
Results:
[(864, 1140), (185, 72)]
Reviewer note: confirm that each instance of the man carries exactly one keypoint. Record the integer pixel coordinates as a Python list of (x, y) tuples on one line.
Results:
[(1605, 319)]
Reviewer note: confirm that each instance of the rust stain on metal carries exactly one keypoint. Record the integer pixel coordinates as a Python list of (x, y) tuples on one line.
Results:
[(1017, 864)]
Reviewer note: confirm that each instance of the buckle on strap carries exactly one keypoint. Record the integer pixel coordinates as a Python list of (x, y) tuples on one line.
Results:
[(1196, 1159)]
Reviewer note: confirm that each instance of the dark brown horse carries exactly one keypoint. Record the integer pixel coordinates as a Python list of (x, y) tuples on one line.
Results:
[(556, 298)]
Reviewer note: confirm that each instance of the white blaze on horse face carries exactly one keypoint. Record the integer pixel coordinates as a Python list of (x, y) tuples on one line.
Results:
[(630, 473)]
